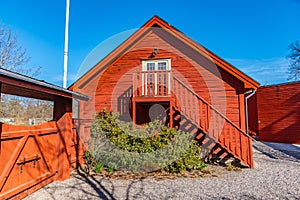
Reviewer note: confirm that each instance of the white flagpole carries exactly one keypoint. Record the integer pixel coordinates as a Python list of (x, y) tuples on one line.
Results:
[(66, 44)]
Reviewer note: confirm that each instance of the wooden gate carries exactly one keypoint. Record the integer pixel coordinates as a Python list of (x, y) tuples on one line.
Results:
[(33, 156), (26, 157)]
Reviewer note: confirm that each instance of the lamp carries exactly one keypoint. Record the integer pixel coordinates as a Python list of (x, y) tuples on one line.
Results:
[(155, 51)]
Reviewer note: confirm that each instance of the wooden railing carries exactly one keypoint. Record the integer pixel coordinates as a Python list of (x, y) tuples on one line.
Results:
[(83, 128), (197, 110), (152, 83), (213, 123)]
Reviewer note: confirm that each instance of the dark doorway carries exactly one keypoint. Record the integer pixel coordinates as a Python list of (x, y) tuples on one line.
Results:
[(151, 111)]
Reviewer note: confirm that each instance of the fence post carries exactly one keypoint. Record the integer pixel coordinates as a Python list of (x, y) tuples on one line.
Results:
[(63, 117)]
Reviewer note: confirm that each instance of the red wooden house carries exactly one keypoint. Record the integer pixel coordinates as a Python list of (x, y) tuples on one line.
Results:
[(160, 73), (275, 113)]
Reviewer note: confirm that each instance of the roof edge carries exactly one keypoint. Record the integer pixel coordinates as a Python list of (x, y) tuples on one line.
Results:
[(248, 81), (21, 77), (280, 84)]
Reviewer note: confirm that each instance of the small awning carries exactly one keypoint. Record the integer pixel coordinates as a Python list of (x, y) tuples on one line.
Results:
[(21, 85)]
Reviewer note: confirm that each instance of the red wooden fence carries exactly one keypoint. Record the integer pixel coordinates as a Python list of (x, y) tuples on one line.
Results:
[(33, 156), (28, 157)]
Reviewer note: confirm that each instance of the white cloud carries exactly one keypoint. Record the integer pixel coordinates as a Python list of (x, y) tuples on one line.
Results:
[(265, 71), (58, 79)]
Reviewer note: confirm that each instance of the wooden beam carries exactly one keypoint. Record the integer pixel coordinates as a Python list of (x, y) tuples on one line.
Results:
[(133, 114), (172, 105), (63, 116), (15, 86)]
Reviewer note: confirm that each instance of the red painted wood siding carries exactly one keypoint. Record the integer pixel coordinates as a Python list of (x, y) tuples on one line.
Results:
[(115, 83), (279, 113), (252, 115)]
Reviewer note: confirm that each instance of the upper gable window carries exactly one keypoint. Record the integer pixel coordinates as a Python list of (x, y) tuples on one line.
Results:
[(156, 65)]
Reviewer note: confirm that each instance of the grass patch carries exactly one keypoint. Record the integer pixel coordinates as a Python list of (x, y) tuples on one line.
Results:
[(231, 167)]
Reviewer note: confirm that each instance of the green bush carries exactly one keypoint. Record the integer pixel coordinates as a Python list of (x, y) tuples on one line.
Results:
[(114, 144)]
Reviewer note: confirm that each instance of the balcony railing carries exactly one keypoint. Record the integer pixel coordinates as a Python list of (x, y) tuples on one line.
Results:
[(152, 83)]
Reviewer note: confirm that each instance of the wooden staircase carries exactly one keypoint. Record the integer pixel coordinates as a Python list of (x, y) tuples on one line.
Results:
[(218, 136), (188, 111)]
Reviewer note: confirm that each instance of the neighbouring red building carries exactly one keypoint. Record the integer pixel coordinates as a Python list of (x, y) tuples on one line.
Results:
[(275, 113), (191, 87)]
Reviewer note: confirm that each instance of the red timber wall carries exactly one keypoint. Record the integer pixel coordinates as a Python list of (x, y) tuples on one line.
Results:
[(112, 88), (279, 113), (252, 115)]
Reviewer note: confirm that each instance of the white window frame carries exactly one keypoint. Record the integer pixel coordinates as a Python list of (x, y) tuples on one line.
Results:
[(145, 62), (144, 79)]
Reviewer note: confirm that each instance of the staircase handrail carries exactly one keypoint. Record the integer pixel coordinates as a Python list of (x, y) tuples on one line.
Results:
[(213, 108)]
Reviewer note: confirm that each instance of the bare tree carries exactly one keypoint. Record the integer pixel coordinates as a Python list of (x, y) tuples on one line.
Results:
[(294, 57), (12, 55)]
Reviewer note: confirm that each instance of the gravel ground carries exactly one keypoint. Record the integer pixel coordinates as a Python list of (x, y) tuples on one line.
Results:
[(276, 176)]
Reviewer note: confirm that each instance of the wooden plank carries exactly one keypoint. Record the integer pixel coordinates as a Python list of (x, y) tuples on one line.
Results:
[(12, 160), (242, 149), (242, 112), (230, 138), (200, 116), (227, 135), (237, 151), (134, 114), (208, 115), (22, 133), (43, 150), (171, 113), (251, 161), (135, 84), (27, 185)]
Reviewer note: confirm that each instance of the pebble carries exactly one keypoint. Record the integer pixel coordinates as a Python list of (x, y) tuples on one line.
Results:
[(276, 176)]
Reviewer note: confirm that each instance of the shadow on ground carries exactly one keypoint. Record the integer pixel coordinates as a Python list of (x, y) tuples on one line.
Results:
[(83, 186), (278, 150), (289, 149), (100, 191)]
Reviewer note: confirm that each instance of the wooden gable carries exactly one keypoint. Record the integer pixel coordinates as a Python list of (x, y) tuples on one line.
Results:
[(179, 41)]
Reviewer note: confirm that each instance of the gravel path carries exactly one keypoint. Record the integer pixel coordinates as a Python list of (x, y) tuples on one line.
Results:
[(276, 176)]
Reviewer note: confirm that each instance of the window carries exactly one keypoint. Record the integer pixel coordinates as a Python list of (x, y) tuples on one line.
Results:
[(75, 108), (156, 65)]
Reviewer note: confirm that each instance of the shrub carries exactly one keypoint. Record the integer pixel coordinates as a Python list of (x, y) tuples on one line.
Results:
[(115, 145)]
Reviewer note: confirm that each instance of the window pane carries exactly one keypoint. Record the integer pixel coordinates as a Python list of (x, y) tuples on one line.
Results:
[(150, 66), (162, 66)]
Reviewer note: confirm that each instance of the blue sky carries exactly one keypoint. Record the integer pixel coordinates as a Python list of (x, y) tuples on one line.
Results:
[(251, 35)]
